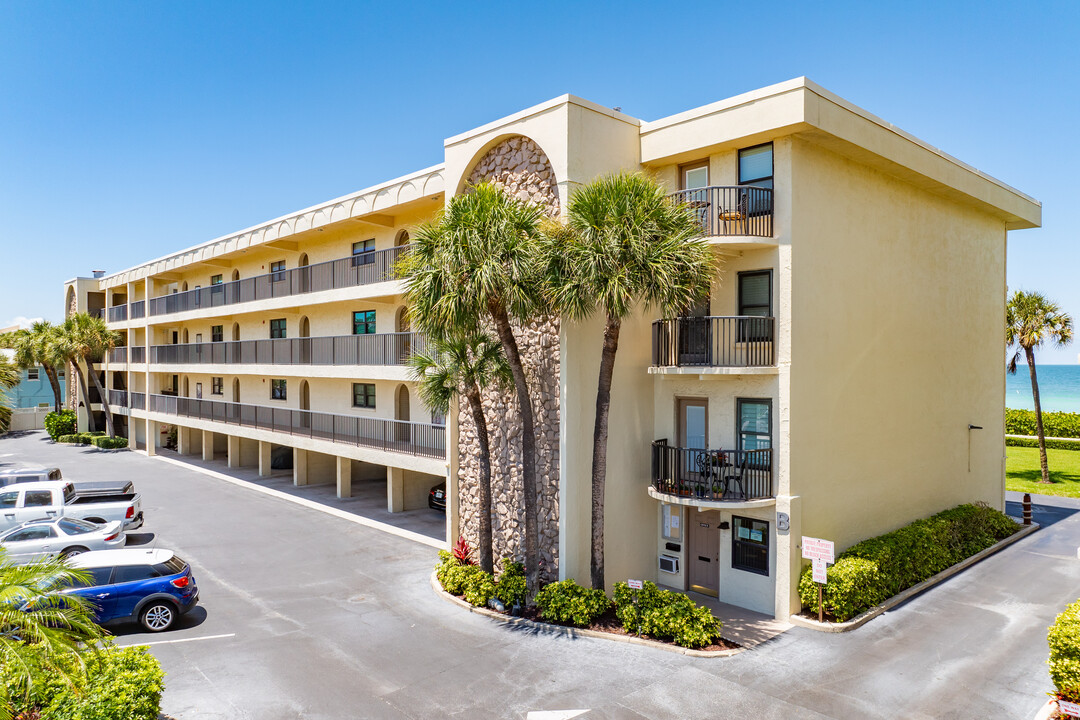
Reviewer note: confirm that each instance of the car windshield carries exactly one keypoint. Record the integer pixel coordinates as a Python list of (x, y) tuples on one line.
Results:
[(74, 526)]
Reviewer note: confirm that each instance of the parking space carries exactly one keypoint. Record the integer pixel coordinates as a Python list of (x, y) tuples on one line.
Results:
[(308, 615)]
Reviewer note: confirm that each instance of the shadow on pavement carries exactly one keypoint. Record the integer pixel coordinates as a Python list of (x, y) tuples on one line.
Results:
[(1045, 510), (135, 539), (195, 618)]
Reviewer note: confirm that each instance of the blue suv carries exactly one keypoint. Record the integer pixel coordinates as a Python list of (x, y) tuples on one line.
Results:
[(153, 587)]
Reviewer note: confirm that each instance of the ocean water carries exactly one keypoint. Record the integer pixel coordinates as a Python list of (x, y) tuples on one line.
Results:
[(1059, 388)]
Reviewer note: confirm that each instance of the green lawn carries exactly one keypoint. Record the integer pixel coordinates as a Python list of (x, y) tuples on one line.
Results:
[(1022, 471)]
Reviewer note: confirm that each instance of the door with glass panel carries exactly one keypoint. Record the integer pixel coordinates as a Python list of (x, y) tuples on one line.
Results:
[(755, 443), (695, 334), (694, 181), (693, 436)]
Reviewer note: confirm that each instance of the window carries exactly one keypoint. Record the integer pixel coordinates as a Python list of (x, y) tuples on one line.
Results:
[(32, 533), (98, 576), (277, 389), (755, 424), (37, 498), (756, 166), (32, 374), (363, 322), (438, 418), (8, 499), (750, 545), (755, 300), (277, 328), (217, 333), (217, 386), (134, 573), (74, 526), (363, 252), (694, 175), (277, 270), (215, 279), (363, 395)]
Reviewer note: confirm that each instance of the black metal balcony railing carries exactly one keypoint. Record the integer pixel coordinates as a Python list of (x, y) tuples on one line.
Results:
[(118, 313), (400, 436), (717, 475), (118, 398), (375, 349), (138, 309), (118, 354), (137, 400), (740, 341), (362, 269), (731, 210)]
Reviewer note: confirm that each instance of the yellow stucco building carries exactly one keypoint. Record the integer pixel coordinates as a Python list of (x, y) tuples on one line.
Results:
[(843, 378)]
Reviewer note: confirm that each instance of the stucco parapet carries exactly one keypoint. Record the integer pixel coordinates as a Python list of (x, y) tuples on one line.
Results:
[(539, 109), (712, 372)]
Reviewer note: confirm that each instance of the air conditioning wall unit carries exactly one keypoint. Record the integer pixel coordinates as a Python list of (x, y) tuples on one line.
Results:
[(669, 564)]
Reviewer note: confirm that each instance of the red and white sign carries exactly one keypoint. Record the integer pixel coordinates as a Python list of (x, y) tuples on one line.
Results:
[(816, 549), (819, 570), (1071, 709), (634, 584)]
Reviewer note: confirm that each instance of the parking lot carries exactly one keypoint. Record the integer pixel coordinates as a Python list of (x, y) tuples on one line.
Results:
[(307, 615)]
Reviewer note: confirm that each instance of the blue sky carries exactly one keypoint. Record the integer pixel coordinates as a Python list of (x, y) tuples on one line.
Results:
[(129, 130)]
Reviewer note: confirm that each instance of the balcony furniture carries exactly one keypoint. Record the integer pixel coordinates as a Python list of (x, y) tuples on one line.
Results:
[(741, 210), (712, 475)]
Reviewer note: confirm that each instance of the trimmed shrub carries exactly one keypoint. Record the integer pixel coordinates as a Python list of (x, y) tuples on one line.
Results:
[(109, 443), (511, 587), (479, 588), (119, 684), (1050, 444), (75, 439), (1055, 424), (1064, 640), (665, 615), (874, 570), (566, 602), (61, 423), (454, 576)]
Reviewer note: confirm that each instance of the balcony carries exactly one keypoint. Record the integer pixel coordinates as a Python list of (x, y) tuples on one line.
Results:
[(730, 211), (375, 349), (362, 269), (118, 313), (400, 436), (118, 355), (119, 398), (696, 476), (138, 309), (720, 342)]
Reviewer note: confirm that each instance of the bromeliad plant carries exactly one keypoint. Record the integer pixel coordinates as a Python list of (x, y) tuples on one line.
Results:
[(462, 552)]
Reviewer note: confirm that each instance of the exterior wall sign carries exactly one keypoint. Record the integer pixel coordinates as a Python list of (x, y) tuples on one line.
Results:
[(813, 548), (634, 584), (819, 568), (1071, 709)]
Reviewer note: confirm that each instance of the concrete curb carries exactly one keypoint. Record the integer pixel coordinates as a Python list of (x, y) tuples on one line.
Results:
[(1047, 711), (865, 617), (312, 504), (571, 632)]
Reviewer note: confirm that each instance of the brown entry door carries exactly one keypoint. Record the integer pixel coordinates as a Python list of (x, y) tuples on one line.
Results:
[(704, 552)]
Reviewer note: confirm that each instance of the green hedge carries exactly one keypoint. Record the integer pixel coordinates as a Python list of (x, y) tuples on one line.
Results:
[(1064, 640), (109, 443), (477, 586), (1055, 424), (665, 615), (874, 570), (119, 684), (1051, 444), (98, 439), (60, 423), (75, 439), (569, 603)]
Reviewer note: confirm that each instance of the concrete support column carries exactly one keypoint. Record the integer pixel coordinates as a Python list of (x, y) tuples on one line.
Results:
[(207, 445), (344, 477), (234, 451), (299, 467), (395, 489), (789, 562), (183, 440), (265, 459), (152, 431)]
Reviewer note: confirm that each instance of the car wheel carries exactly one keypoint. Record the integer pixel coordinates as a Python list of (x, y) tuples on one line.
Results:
[(72, 552), (158, 616)]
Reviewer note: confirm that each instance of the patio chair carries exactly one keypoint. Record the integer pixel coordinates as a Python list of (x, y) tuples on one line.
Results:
[(735, 218)]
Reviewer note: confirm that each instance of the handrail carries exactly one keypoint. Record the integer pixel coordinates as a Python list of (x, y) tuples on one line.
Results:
[(715, 341), (373, 349), (713, 475), (730, 210)]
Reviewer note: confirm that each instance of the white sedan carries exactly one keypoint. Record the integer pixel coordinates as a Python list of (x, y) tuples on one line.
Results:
[(64, 537)]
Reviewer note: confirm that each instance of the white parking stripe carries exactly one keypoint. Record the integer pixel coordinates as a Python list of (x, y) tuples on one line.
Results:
[(343, 514), (554, 714), (181, 640)]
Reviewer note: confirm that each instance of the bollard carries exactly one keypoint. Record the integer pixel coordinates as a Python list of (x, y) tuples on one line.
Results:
[(1027, 509)]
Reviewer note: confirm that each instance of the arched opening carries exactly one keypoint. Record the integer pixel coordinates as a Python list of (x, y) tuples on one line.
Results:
[(186, 340), (305, 395), (235, 275), (305, 327), (402, 238), (304, 341), (404, 341), (402, 321), (402, 430), (236, 390), (236, 332), (303, 261), (187, 387), (303, 273), (69, 305), (183, 286)]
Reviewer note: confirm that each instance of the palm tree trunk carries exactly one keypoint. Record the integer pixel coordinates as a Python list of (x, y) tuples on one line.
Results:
[(487, 555), (1038, 415), (600, 441), (528, 447), (104, 400), (50, 372), (91, 425)]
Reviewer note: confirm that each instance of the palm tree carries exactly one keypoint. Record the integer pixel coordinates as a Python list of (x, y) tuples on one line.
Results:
[(37, 624), (626, 247), (37, 346), (479, 262), (1030, 320), (87, 338), (464, 365), (9, 378)]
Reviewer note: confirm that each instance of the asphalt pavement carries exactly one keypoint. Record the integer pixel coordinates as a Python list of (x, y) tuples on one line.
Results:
[(306, 615)]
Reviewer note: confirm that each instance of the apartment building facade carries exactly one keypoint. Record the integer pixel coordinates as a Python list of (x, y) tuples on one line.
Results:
[(842, 378)]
